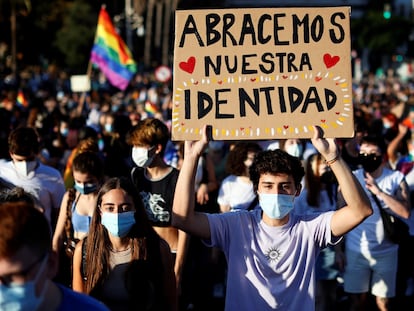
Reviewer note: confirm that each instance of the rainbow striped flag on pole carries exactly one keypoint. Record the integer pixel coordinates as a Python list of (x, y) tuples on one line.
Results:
[(21, 100), (111, 54)]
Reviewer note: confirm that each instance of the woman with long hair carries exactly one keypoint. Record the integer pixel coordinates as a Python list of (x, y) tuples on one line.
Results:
[(76, 210), (319, 196), (122, 261), (236, 190)]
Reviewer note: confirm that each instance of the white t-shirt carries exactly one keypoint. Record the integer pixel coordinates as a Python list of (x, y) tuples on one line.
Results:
[(45, 183), (236, 193), (368, 237), (270, 268)]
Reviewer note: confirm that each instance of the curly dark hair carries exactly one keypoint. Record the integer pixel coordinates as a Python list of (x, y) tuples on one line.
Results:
[(276, 162), (237, 156)]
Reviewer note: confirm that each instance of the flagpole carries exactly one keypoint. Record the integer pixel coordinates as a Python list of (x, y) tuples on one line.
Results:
[(83, 95)]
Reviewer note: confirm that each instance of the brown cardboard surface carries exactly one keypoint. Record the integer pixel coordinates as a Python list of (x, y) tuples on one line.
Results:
[(262, 73)]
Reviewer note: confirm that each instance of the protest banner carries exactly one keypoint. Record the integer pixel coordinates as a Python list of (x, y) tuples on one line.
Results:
[(262, 73), (80, 83)]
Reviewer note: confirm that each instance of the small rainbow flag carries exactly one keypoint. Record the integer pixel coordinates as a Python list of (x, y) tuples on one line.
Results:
[(21, 100), (151, 108), (111, 54)]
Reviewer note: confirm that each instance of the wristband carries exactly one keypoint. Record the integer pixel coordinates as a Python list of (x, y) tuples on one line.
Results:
[(332, 161)]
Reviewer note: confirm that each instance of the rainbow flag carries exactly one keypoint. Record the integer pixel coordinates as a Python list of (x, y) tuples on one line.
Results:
[(21, 100), (111, 54), (151, 108)]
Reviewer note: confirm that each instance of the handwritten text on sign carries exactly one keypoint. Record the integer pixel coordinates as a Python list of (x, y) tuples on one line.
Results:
[(262, 73)]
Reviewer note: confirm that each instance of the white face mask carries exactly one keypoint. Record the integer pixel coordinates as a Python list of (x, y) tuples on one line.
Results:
[(276, 206), (141, 156), (25, 168)]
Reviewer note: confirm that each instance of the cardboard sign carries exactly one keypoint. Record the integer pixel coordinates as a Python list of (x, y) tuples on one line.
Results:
[(80, 83), (262, 73)]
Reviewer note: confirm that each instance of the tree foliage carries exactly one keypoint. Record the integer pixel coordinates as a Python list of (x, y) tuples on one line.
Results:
[(378, 34), (52, 31), (75, 38)]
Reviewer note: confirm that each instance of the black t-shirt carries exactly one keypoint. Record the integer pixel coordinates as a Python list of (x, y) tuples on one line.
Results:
[(157, 195)]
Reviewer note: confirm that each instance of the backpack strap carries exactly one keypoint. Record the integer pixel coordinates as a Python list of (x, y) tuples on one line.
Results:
[(133, 173), (253, 203)]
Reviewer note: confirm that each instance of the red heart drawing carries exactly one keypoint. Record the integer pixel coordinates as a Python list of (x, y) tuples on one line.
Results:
[(285, 127), (219, 81), (317, 79), (337, 112), (330, 61), (182, 123), (195, 83), (323, 120), (285, 77), (189, 65), (253, 79), (242, 129)]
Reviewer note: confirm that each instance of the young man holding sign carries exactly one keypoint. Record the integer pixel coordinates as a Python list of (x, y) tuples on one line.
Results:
[(271, 252)]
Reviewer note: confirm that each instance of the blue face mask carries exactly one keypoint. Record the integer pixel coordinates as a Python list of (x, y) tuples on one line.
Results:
[(22, 297), (118, 224), (101, 144), (64, 132), (108, 127), (85, 188), (276, 206)]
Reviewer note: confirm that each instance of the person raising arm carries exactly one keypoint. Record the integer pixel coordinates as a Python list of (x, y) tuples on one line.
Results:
[(271, 252), (343, 220)]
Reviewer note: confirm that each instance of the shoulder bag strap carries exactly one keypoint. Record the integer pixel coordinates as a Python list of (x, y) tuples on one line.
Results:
[(253, 203), (377, 201)]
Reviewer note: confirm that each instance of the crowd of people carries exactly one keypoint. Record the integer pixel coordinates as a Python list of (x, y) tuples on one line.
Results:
[(137, 221)]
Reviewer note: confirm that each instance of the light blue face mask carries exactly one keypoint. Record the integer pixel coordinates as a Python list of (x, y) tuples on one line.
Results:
[(276, 206), (85, 188), (101, 144), (295, 150), (118, 224), (108, 127), (64, 132), (22, 297)]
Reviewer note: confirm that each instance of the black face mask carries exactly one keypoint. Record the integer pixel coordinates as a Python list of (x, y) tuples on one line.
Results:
[(370, 162)]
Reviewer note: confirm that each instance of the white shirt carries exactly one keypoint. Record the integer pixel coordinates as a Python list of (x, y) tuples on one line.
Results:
[(369, 236), (236, 192), (45, 183)]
